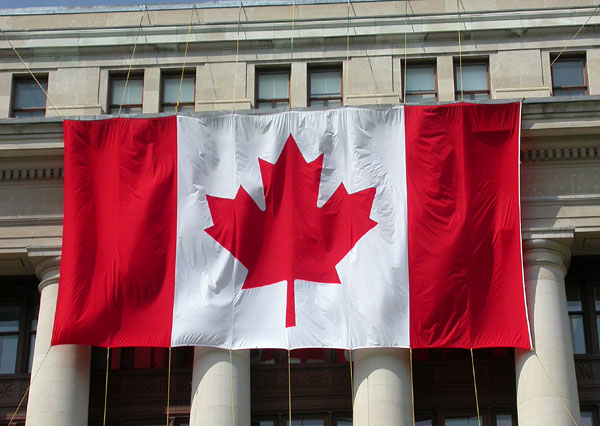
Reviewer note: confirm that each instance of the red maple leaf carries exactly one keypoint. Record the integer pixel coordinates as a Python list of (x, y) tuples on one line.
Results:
[(292, 238)]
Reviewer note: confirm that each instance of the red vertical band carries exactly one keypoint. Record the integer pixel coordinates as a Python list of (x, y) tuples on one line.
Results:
[(464, 240), (120, 212)]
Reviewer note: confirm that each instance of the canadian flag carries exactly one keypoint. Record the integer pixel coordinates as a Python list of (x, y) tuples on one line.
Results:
[(345, 228)]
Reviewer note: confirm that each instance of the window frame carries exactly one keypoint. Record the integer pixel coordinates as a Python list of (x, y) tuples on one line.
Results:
[(570, 57), (13, 94), (467, 62), (267, 71), (113, 108), (22, 292), (175, 73), (419, 64), (325, 68), (584, 275)]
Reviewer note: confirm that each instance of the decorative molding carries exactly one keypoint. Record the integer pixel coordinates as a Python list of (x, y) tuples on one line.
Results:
[(26, 174), (560, 154)]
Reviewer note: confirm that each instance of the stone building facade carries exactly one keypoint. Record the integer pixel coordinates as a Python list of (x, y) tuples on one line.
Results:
[(264, 54)]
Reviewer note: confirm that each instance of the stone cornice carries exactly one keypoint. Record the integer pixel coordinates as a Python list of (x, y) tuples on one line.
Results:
[(325, 24)]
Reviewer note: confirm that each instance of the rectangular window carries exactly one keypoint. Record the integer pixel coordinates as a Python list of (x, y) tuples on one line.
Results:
[(504, 420), (568, 76), (587, 418), (325, 87), (420, 83), (474, 81), (464, 421), (170, 89), (28, 99), (18, 322), (316, 422), (575, 308), (9, 337), (272, 89), (126, 94)]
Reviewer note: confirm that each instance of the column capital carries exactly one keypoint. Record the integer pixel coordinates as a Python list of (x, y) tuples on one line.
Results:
[(545, 251), (47, 270)]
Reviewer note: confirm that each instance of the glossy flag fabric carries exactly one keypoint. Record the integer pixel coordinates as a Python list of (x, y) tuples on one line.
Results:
[(344, 228)]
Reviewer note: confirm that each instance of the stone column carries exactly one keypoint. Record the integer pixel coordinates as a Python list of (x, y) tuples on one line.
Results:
[(212, 395), (59, 391), (537, 402), (382, 387)]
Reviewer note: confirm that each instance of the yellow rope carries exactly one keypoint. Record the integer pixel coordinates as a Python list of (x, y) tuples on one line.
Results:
[(131, 62), (347, 54), (106, 385), (237, 55), (33, 75), (231, 384), (555, 389), (462, 95), (412, 387), (475, 385), (28, 387), (169, 388), (405, 56), (575, 36), (187, 42), (289, 389)]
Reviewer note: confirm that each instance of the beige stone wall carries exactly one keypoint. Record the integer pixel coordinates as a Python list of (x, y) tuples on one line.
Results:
[(518, 37), (5, 93), (74, 91), (370, 81), (518, 73), (217, 83), (593, 71)]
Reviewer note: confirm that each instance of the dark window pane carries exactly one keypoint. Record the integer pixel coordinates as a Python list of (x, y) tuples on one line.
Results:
[(8, 354), (420, 98), (504, 420), (574, 299), (569, 92), (423, 423), (265, 105), (474, 77), (29, 95), (9, 318), (273, 86), (344, 423), (133, 94), (31, 349), (568, 73), (325, 83), (318, 422), (597, 296), (471, 421), (171, 89), (587, 419), (577, 334), (36, 309), (420, 79), (126, 110), (29, 113)]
